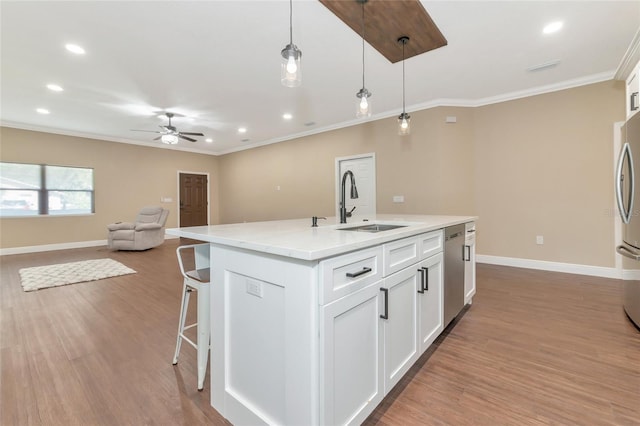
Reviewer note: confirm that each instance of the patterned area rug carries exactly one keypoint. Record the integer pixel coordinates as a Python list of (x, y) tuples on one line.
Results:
[(70, 273)]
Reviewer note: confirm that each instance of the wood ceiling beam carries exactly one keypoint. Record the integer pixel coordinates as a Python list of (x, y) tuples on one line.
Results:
[(388, 20)]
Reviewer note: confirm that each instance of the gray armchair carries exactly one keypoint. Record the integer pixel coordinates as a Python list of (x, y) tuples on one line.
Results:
[(146, 232)]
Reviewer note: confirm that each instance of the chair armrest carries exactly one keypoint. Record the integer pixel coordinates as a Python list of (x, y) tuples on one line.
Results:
[(120, 225), (147, 226)]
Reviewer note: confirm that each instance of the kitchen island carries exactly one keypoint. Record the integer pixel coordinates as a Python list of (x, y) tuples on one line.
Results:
[(314, 325)]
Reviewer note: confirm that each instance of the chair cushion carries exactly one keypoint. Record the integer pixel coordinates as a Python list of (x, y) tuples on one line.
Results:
[(120, 225), (147, 226)]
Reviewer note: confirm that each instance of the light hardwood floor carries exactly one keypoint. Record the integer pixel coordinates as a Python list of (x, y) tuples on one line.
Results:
[(534, 348)]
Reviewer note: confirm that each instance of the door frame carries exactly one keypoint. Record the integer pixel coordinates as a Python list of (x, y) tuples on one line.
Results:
[(371, 155), (186, 172)]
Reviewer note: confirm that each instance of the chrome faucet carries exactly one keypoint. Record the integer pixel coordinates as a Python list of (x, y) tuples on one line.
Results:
[(354, 195)]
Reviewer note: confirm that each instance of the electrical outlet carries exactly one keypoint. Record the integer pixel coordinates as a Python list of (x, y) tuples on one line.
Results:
[(539, 240), (398, 198), (254, 287)]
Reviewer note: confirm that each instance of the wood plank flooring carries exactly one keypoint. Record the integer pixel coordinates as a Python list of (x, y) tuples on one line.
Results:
[(535, 348)]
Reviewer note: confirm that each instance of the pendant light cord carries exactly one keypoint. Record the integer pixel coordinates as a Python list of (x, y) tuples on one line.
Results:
[(291, 22), (363, 44), (403, 43)]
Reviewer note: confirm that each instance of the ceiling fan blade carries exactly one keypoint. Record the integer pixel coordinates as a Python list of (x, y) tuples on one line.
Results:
[(192, 134), (155, 139), (150, 131), (184, 137)]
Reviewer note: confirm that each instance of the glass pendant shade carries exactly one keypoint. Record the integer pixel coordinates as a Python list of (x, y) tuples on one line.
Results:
[(169, 139), (290, 71), (404, 119), (404, 124), (363, 104)]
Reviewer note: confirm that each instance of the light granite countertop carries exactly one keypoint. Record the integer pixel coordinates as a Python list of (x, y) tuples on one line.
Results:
[(296, 238)]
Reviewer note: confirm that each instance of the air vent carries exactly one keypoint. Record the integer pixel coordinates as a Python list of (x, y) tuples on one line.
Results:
[(544, 66)]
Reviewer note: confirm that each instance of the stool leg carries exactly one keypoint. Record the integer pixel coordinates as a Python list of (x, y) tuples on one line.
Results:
[(183, 317), (204, 332)]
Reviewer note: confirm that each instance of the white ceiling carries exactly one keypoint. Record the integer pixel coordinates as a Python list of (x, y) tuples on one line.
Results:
[(217, 63)]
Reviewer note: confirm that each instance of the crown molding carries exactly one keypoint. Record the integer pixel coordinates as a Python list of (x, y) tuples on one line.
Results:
[(630, 58)]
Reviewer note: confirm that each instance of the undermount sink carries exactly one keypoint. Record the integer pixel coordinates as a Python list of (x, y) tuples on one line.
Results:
[(374, 227)]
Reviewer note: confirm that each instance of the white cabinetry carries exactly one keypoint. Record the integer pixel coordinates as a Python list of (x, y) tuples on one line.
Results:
[(400, 327), (470, 262), (351, 378), (370, 336), (430, 301), (632, 92)]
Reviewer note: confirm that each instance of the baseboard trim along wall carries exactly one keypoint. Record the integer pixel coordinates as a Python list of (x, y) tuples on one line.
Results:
[(59, 246), (569, 268)]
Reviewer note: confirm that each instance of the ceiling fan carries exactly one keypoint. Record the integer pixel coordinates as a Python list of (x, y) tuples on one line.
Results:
[(169, 134)]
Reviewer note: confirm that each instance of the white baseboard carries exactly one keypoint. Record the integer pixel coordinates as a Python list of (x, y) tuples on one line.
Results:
[(570, 268), (60, 246), (52, 247)]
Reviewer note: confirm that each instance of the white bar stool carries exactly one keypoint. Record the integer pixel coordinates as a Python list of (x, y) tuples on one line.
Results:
[(196, 280)]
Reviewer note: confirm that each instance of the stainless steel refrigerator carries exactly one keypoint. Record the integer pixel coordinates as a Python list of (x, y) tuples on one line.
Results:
[(628, 197)]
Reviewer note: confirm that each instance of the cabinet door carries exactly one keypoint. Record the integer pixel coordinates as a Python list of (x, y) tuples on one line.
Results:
[(430, 302), (469, 269), (401, 326), (351, 379)]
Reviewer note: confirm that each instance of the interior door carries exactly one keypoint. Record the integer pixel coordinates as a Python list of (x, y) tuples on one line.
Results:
[(363, 168), (193, 200)]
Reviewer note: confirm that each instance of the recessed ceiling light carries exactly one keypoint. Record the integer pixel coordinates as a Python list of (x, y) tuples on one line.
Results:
[(42, 111), (74, 48), (208, 140), (287, 116), (552, 27), (242, 130), (54, 87)]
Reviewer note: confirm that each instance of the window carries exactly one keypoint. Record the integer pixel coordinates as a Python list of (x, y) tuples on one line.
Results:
[(39, 189)]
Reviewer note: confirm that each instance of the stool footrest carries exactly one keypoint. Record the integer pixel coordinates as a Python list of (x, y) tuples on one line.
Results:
[(189, 341)]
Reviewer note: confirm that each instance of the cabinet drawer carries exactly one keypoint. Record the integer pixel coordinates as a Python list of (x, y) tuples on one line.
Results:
[(400, 254), (431, 243), (345, 274)]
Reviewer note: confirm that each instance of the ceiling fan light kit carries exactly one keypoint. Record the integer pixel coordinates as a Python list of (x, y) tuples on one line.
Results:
[(170, 135), (169, 139), (363, 105), (404, 120), (290, 70)]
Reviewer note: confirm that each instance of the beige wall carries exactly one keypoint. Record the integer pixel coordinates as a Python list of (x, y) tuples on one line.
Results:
[(433, 168), (541, 165), (126, 178), (544, 166)]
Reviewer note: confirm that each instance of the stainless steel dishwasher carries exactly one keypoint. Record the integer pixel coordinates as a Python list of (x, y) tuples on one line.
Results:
[(453, 272)]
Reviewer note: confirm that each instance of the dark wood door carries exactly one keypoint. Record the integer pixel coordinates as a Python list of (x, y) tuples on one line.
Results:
[(193, 200)]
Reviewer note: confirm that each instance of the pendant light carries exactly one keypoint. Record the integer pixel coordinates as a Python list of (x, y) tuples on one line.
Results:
[(363, 105), (404, 127), (290, 72)]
